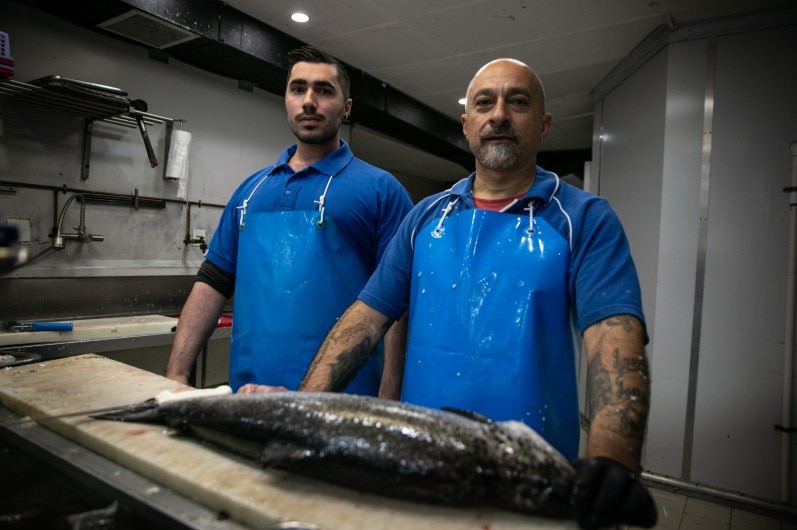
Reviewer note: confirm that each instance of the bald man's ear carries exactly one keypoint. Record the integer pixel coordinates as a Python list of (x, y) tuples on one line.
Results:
[(464, 120), (545, 128)]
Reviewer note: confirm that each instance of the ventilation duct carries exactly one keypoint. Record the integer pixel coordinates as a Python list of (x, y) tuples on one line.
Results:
[(147, 29)]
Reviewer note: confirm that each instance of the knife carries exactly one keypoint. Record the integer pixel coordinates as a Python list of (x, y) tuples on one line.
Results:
[(17, 326), (141, 106), (151, 403)]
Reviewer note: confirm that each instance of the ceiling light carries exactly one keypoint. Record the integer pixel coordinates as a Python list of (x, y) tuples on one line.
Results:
[(462, 101), (300, 17)]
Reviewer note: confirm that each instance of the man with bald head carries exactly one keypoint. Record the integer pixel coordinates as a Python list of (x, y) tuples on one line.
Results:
[(496, 273)]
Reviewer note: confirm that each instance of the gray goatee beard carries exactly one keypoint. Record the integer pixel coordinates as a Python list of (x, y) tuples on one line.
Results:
[(498, 155)]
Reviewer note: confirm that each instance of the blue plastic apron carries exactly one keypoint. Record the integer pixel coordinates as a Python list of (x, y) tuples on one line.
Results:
[(296, 275), (490, 328)]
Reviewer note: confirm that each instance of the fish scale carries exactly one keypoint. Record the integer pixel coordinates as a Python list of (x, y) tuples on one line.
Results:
[(378, 446)]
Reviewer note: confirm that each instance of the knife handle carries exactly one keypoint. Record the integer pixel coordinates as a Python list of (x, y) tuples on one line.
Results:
[(167, 395), (48, 326)]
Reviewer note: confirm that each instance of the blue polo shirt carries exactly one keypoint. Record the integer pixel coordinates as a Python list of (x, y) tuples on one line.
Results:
[(602, 279), (365, 202)]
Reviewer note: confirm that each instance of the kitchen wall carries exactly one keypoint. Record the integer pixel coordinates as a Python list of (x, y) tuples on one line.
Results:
[(692, 147), (143, 264)]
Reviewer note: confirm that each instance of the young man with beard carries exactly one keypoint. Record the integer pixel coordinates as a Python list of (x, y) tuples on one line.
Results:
[(295, 244), (491, 271)]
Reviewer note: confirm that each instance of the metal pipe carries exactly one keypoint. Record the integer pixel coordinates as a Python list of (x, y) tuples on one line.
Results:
[(788, 350), (716, 494), (58, 238), (153, 202), (81, 235)]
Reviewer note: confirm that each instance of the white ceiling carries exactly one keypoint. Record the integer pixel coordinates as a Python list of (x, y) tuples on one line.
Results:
[(430, 49)]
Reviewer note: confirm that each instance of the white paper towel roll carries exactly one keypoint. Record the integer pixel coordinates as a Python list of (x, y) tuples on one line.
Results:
[(177, 164)]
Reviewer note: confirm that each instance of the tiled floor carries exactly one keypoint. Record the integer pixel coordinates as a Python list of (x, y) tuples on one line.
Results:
[(679, 512)]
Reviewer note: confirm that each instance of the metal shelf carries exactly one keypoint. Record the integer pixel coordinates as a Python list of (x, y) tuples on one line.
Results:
[(93, 104)]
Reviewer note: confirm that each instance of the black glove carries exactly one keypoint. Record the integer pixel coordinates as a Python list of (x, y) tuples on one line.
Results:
[(606, 493)]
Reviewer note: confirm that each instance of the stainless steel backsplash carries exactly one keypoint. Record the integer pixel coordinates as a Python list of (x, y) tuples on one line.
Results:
[(74, 298)]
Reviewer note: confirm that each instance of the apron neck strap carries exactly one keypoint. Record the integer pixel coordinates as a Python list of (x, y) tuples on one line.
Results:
[(530, 208), (319, 202), (438, 230), (322, 199), (245, 204)]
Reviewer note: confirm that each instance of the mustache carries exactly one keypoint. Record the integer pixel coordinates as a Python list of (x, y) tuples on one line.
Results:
[(504, 132)]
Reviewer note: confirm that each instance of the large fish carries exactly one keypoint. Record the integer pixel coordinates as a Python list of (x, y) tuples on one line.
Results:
[(394, 449)]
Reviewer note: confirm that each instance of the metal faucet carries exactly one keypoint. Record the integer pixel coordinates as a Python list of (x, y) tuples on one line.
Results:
[(203, 245), (81, 235)]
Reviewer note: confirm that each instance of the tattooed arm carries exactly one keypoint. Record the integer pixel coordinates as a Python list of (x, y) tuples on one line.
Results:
[(618, 389), (345, 349)]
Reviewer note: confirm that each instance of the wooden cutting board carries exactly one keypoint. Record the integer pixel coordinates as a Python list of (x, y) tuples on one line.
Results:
[(219, 481)]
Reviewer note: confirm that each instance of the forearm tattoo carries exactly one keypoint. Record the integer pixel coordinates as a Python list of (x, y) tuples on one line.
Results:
[(619, 389), (349, 361)]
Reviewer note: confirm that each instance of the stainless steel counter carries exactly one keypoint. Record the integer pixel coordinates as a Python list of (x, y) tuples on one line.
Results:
[(94, 481)]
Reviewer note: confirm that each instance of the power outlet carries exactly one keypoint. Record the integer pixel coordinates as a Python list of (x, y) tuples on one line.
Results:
[(196, 233)]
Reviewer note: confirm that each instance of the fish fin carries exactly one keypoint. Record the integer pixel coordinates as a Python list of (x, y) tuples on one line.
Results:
[(283, 455), (475, 416), (145, 412), (251, 449)]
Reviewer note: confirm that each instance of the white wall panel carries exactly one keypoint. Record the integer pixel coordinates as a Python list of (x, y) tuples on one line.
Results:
[(675, 283), (731, 317), (631, 158), (741, 352)]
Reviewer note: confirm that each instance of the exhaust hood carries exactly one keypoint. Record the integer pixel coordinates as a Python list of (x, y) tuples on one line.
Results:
[(147, 29)]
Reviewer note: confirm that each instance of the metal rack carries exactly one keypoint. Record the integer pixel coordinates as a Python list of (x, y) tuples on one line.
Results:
[(92, 102)]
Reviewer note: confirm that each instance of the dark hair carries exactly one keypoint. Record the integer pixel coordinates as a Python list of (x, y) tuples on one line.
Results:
[(311, 54)]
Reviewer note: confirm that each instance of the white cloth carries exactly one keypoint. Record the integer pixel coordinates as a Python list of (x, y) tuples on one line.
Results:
[(177, 164)]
